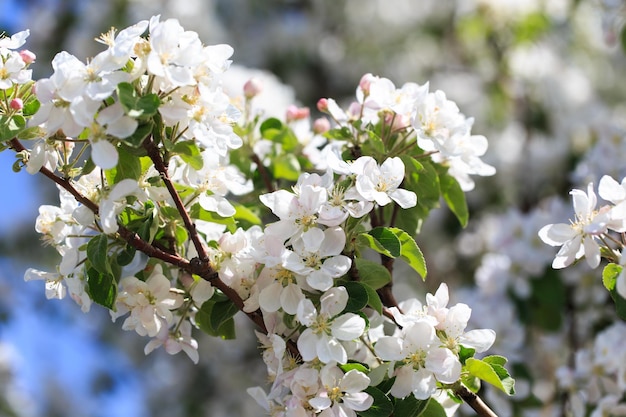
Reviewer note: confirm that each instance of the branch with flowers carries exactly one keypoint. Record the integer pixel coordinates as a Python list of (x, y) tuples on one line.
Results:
[(179, 209)]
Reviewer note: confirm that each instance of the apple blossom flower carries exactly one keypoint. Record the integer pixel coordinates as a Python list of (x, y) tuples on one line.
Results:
[(380, 183), (317, 256), (174, 341), (579, 237), (114, 202), (149, 303), (342, 394), (321, 339)]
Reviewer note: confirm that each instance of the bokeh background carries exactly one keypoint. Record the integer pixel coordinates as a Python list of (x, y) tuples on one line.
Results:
[(544, 80)]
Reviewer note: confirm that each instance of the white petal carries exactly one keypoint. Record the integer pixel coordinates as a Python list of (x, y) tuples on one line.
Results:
[(479, 339), (389, 348), (104, 154), (348, 326)]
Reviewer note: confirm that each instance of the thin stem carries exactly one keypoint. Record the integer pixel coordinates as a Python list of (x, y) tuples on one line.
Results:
[(161, 167), (473, 401), (267, 180)]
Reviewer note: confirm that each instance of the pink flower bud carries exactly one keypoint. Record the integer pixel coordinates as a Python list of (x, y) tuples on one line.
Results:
[(322, 105), (17, 104), (321, 125), (366, 82), (252, 88), (297, 113), (27, 56)]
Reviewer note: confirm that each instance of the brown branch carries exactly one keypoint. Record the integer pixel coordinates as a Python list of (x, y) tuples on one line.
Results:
[(473, 401), (267, 180), (161, 167)]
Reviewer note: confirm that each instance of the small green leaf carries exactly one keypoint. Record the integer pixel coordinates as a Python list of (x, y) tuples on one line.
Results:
[(455, 198), (101, 287), (410, 252), (222, 312), (373, 299), (382, 406), (244, 214), (128, 166), (465, 353), (286, 166), (97, 253), (271, 123), (410, 407), (189, 153), (136, 106), (491, 373), (610, 273), (216, 318), (385, 239), (372, 273), (495, 359), (11, 126), (197, 212), (354, 365), (433, 409), (358, 296)]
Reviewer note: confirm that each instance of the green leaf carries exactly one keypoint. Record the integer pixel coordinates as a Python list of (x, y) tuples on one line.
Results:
[(495, 360), (373, 299), (271, 123), (374, 145), (354, 365), (455, 198), (190, 154), (31, 107), (11, 126), (433, 409), (410, 407), (128, 166), (382, 406), (244, 214), (216, 318), (97, 253), (410, 252), (372, 273), (286, 166), (610, 273), (101, 287), (135, 106), (358, 296), (125, 256), (386, 241), (465, 353), (491, 373)]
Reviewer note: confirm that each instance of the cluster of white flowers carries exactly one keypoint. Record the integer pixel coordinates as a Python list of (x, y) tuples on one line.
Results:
[(294, 273)]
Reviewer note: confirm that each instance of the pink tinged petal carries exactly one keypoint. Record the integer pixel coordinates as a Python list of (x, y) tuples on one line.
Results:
[(319, 280), (313, 239), (358, 401), (334, 241), (405, 199), (334, 301), (329, 350), (348, 326), (403, 384), (337, 265), (306, 313), (354, 381), (104, 154), (151, 345), (269, 298), (479, 339), (444, 364), (290, 298), (389, 348), (424, 384), (320, 403), (592, 251), (557, 234)]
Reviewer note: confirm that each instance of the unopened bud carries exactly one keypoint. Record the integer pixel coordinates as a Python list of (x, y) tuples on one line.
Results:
[(27, 56), (252, 88), (322, 105), (297, 113), (366, 82), (321, 125), (17, 104)]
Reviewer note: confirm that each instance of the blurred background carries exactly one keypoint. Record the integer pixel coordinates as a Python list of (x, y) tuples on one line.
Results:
[(543, 78)]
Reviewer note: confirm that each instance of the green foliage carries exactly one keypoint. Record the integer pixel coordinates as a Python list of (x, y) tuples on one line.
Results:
[(491, 370), (412, 407), (101, 287), (189, 153), (136, 106), (372, 273), (455, 198), (11, 126), (610, 273), (358, 296), (382, 407), (215, 317)]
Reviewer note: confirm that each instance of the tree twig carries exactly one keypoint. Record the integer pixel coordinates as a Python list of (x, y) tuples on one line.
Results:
[(473, 401)]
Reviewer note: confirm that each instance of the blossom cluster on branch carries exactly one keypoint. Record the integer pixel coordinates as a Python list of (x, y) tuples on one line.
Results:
[(181, 206)]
